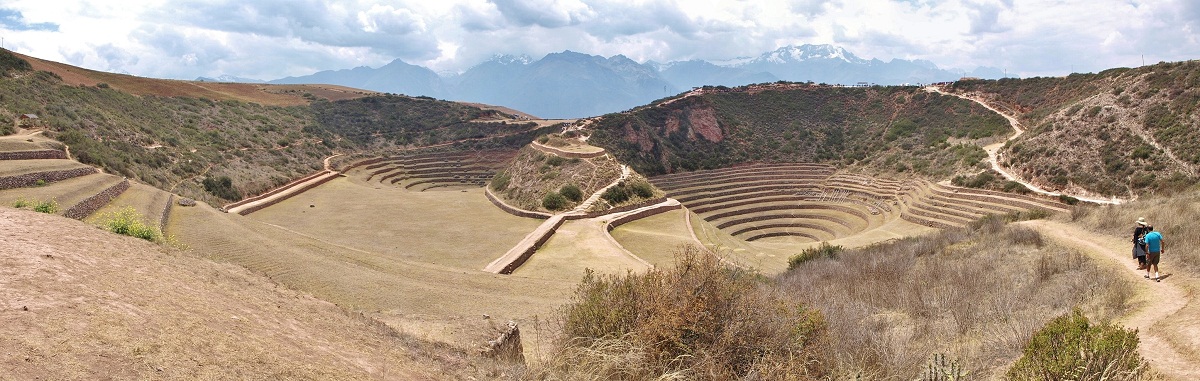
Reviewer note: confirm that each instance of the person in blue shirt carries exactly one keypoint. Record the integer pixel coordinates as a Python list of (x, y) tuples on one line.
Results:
[(1155, 246)]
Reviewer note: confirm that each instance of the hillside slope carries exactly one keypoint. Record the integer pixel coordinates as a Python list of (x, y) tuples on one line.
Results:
[(221, 142), (1121, 132), (90, 303), (884, 129)]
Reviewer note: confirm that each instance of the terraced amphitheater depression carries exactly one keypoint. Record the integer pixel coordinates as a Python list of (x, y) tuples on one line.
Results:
[(468, 242)]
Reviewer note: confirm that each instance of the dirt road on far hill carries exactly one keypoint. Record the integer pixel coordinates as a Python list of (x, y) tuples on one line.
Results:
[(1165, 316), (993, 151)]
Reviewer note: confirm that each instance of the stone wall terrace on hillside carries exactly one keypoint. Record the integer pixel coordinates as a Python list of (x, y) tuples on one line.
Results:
[(1014, 202), (740, 181), (166, 215), (780, 188), (927, 223), (512, 209), (641, 214), (565, 153), (781, 207), (91, 204), (747, 168), (31, 179), (775, 225), (275, 191), (917, 210), (521, 253), (619, 209), (1051, 204), (301, 189), (782, 234), (762, 173), (33, 155), (765, 217)]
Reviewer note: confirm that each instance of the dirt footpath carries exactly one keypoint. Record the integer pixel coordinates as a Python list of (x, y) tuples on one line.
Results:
[(1166, 317)]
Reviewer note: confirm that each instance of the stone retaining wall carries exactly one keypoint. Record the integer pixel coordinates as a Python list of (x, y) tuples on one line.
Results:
[(566, 154), (512, 209), (166, 215), (751, 168), (916, 210), (33, 155), (789, 198), (727, 224), (640, 215), (1039, 202), (805, 225), (31, 179), (95, 202), (716, 180), (621, 209), (507, 346), (300, 190), (274, 191), (782, 188), (924, 222), (524, 256), (747, 181), (782, 234), (793, 207), (990, 199)]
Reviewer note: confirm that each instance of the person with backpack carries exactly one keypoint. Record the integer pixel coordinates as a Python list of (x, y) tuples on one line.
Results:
[(1139, 244), (1155, 246)]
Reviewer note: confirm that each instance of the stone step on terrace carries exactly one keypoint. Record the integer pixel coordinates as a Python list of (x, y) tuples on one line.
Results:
[(814, 228), (1027, 202), (713, 180), (785, 188), (818, 168), (811, 236), (713, 203), (66, 193), (929, 222), (848, 215), (732, 185)]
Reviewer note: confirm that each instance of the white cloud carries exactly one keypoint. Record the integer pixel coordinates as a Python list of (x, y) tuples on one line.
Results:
[(274, 38)]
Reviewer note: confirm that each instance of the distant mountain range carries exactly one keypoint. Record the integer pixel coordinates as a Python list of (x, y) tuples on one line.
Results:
[(570, 84)]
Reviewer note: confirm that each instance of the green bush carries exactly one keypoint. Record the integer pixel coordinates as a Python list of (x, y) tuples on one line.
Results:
[(571, 192), (555, 160), (49, 207), (127, 221), (554, 201), (500, 182), (1071, 348), (695, 320), (222, 187), (616, 195), (21, 203), (642, 188), (825, 250)]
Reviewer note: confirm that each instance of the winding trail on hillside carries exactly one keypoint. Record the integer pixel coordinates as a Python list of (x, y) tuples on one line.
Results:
[(993, 151), (1162, 308)]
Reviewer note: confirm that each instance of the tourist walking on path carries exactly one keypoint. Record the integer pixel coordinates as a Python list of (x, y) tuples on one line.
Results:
[(1155, 246), (1139, 243)]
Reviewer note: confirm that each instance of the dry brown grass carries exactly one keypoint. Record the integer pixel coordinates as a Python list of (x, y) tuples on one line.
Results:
[(81, 303), (699, 320), (974, 294)]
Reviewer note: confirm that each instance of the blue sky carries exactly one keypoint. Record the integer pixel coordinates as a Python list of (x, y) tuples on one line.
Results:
[(269, 39)]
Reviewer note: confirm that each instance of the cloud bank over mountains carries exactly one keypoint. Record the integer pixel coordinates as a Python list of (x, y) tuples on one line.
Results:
[(185, 39), (571, 85)]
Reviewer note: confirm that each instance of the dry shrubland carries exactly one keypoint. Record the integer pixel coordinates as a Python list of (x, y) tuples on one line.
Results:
[(976, 295), (1174, 216), (696, 321)]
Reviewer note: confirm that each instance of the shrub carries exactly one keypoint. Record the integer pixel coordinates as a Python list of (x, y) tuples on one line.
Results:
[(500, 182), (21, 203), (554, 201), (222, 187), (616, 195), (1071, 348), (127, 221), (49, 207), (555, 160), (697, 320), (642, 188), (825, 250), (39, 183), (571, 192), (1068, 199)]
